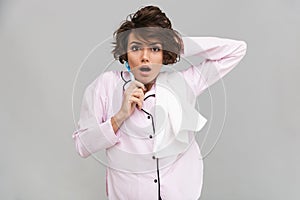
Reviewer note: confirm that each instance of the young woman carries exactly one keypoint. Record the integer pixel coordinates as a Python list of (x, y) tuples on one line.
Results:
[(145, 118)]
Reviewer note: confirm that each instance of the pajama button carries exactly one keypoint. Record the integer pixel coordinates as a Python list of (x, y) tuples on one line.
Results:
[(153, 157), (155, 180), (148, 116), (150, 136)]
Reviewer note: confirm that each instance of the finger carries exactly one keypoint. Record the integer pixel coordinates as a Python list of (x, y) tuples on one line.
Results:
[(138, 92), (134, 99), (139, 96), (139, 85), (137, 101), (135, 85)]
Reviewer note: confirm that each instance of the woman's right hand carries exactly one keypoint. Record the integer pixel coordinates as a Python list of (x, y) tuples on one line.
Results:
[(133, 97)]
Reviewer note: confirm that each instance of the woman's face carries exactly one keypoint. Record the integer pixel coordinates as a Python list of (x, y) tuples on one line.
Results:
[(144, 58)]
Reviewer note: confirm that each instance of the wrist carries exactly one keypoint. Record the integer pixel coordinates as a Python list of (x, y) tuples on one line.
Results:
[(119, 118)]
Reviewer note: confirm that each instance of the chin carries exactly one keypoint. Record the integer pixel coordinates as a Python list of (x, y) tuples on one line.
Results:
[(146, 80)]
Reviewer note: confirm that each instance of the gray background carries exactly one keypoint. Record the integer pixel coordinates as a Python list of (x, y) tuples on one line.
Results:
[(42, 44)]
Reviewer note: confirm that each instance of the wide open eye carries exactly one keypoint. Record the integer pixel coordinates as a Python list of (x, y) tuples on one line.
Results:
[(135, 48), (155, 48)]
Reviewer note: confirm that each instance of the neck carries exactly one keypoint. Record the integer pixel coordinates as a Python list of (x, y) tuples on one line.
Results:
[(149, 86)]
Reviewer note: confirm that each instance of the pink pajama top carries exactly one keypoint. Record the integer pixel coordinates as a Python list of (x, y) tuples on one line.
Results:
[(154, 154)]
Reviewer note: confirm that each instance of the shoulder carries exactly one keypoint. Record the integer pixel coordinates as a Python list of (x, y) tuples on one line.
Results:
[(104, 80), (109, 76)]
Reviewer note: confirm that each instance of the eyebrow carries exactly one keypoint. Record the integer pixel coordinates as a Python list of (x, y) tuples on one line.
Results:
[(139, 43)]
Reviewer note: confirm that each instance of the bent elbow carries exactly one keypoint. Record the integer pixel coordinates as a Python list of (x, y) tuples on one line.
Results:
[(81, 150), (243, 48), (83, 154)]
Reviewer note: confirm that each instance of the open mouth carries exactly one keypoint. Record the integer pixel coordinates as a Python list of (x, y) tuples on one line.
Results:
[(145, 68)]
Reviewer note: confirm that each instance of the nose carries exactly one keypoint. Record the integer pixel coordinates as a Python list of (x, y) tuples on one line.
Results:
[(145, 57)]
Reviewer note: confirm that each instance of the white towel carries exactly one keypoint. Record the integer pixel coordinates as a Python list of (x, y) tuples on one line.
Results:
[(175, 115)]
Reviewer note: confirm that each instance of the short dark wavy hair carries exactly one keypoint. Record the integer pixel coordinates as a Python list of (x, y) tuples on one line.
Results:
[(148, 22)]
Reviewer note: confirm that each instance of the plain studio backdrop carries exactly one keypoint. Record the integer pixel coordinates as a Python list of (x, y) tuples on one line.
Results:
[(43, 43)]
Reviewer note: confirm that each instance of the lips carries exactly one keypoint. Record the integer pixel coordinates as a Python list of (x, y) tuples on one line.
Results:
[(145, 68)]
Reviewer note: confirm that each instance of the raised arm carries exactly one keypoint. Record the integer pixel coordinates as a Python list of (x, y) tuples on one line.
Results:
[(220, 57)]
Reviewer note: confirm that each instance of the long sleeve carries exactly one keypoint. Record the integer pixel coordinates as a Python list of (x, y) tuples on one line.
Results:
[(94, 131), (220, 57)]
